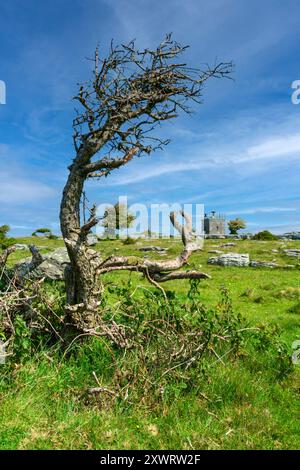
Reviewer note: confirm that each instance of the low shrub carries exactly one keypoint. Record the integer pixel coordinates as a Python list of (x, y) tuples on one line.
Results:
[(5, 241), (129, 241), (170, 344), (264, 235)]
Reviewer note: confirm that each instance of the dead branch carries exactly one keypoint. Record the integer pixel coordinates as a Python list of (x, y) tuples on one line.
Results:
[(161, 271), (96, 390), (5, 254), (180, 275)]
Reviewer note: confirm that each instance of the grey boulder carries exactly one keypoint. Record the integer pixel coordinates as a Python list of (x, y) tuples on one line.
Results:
[(21, 246), (263, 264), (293, 252), (52, 267), (91, 239), (230, 259), (157, 249)]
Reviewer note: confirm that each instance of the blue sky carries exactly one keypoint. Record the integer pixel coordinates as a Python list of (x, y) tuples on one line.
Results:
[(239, 153)]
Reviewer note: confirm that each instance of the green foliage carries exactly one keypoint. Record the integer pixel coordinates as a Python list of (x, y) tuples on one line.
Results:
[(4, 229), (52, 236), (43, 231), (22, 344), (235, 225), (179, 329), (264, 235), (295, 309), (5, 241), (183, 337), (129, 241)]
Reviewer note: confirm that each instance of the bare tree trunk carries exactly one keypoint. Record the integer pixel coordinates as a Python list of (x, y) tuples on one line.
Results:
[(83, 285)]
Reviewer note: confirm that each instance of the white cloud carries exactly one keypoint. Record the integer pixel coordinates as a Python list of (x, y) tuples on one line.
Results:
[(156, 171), (21, 227), (265, 149), (274, 147), (261, 210), (18, 190)]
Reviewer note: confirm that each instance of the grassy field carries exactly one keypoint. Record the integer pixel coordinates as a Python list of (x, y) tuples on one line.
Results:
[(238, 404)]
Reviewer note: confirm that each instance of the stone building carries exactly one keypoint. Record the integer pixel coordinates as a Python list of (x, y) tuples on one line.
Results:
[(214, 225)]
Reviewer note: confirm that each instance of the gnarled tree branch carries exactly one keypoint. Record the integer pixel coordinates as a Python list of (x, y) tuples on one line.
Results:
[(5, 254), (161, 271)]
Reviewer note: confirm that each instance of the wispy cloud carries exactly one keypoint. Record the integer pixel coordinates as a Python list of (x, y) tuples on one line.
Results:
[(269, 149), (274, 148), (261, 210), (18, 190)]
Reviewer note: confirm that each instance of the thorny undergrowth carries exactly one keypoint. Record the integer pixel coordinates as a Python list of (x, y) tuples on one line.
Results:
[(168, 338)]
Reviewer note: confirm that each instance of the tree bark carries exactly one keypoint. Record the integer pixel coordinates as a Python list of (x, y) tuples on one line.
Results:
[(83, 285)]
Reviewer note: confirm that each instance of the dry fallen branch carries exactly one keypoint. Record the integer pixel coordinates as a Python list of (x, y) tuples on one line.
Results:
[(20, 295), (161, 271), (3, 258), (96, 390)]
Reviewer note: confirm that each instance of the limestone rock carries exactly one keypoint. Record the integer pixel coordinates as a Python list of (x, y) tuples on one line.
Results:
[(293, 252), (263, 264), (230, 259), (91, 239), (21, 246), (157, 249), (52, 267)]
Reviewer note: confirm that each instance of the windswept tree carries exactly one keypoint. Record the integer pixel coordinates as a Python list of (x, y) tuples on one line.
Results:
[(43, 231), (129, 94), (235, 225), (118, 218)]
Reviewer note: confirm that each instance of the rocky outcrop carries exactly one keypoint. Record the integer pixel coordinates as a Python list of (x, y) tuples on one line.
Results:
[(293, 252), (230, 259), (242, 259), (52, 266), (91, 239), (21, 246), (227, 245), (263, 264), (157, 249)]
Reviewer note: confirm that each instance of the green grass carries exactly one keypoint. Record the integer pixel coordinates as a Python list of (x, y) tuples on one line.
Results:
[(240, 403)]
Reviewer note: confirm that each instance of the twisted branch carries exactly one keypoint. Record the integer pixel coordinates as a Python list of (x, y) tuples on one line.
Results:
[(161, 271), (5, 254)]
